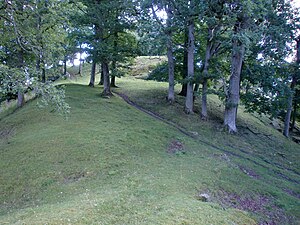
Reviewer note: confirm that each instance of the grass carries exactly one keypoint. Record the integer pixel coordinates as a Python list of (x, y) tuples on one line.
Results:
[(108, 163)]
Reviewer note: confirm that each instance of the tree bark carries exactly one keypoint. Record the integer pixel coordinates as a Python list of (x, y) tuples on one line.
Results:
[(185, 64), (43, 74), (80, 61), (93, 74), (65, 66), (208, 54), (171, 64), (106, 81), (204, 99), (113, 77), (233, 97), (294, 115), (189, 103), (101, 82), (286, 130), (21, 99)]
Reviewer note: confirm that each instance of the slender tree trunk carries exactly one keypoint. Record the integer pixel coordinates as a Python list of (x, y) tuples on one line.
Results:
[(287, 120), (286, 130), (80, 61), (106, 91), (204, 99), (208, 54), (43, 74), (113, 77), (101, 82), (93, 74), (65, 66), (171, 64), (294, 115), (233, 98), (290, 99), (189, 103), (21, 99), (185, 63)]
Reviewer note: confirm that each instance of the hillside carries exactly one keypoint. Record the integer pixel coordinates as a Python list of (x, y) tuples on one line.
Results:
[(146, 162)]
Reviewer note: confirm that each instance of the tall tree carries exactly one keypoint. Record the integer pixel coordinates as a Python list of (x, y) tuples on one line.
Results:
[(168, 30)]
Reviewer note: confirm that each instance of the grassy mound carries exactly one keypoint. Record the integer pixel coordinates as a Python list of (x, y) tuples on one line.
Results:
[(110, 163)]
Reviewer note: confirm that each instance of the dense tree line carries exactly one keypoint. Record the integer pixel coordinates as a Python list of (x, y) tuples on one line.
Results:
[(237, 49)]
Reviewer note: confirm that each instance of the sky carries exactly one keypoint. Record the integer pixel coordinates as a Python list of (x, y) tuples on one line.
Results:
[(162, 14), (296, 3)]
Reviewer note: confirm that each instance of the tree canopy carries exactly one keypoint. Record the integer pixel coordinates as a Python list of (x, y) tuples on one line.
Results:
[(241, 50)]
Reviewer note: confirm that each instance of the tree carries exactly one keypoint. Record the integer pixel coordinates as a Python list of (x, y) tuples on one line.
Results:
[(294, 81), (168, 7), (18, 72)]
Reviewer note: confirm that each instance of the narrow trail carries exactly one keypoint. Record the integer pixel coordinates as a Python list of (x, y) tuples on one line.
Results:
[(275, 173)]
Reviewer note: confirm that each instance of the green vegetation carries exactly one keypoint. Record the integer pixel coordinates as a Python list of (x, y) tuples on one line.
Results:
[(110, 163)]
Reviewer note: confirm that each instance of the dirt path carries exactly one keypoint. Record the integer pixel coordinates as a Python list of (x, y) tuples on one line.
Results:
[(275, 173)]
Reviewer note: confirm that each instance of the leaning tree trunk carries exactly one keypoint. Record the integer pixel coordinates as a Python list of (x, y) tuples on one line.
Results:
[(189, 103), (93, 74), (106, 82), (233, 95), (286, 130)]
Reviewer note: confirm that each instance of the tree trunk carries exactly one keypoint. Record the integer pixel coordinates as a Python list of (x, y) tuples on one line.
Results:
[(294, 115), (204, 100), (290, 99), (185, 64), (113, 77), (106, 82), (101, 82), (80, 61), (286, 130), (20, 57), (21, 99), (171, 66), (93, 74), (208, 54), (191, 48), (233, 96), (43, 74), (65, 66)]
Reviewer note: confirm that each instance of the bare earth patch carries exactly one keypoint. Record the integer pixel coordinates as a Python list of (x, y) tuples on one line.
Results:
[(175, 147), (7, 133), (262, 206)]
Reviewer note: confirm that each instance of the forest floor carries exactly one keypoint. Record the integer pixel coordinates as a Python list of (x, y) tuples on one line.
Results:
[(134, 159)]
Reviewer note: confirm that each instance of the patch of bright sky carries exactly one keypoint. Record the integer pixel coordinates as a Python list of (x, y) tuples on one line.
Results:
[(296, 3)]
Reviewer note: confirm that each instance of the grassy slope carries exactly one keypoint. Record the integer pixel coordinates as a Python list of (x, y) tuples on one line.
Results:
[(107, 163)]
